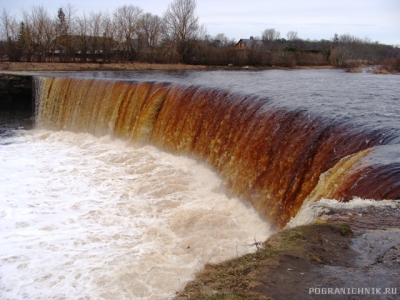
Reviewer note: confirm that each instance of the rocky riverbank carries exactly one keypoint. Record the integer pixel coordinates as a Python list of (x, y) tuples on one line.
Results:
[(356, 259)]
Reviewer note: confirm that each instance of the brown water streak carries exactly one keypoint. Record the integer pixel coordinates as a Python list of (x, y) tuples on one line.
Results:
[(268, 156)]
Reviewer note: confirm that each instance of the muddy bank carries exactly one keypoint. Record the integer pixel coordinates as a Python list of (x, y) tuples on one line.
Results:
[(318, 261), (347, 252)]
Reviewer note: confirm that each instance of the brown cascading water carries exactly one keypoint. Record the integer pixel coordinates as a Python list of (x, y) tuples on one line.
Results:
[(271, 157)]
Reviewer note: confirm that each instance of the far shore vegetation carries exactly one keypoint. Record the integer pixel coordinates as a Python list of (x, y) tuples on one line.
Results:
[(130, 35)]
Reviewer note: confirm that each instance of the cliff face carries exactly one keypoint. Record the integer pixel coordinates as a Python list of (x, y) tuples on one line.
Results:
[(16, 101)]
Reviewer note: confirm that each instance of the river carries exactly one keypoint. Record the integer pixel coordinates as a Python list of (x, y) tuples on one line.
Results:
[(132, 181)]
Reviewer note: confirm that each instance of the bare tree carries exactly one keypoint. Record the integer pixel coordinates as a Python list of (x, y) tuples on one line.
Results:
[(270, 35), (347, 48), (126, 19), (41, 31), (292, 35), (150, 27), (108, 43), (272, 49), (9, 26), (50, 35), (9, 33), (95, 23), (181, 24), (221, 40), (25, 37), (149, 32), (82, 37)]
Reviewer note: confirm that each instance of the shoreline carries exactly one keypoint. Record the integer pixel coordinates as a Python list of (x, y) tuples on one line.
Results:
[(77, 67)]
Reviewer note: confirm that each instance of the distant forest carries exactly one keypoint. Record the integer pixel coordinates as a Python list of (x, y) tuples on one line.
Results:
[(130, 35)]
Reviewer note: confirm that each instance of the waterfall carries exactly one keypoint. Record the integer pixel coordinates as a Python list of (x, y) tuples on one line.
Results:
[(274, 158)]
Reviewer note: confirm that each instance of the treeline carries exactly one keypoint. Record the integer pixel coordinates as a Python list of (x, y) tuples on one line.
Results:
[(128, 35), (341, 51)]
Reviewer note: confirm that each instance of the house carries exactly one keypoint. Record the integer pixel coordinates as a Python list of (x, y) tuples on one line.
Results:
[(247, 44)]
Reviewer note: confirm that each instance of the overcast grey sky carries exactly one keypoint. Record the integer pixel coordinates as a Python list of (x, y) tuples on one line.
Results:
[(378, 20)]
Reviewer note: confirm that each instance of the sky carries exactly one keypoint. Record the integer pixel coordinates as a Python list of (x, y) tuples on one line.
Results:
[(377, 20)]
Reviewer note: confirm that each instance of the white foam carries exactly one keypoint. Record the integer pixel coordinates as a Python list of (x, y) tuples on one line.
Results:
[(85, 217), (312, 211)]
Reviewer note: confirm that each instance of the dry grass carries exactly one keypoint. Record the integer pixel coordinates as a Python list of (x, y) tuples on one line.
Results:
[(382, 70), (388, 66), (50, 66), (354, 70)]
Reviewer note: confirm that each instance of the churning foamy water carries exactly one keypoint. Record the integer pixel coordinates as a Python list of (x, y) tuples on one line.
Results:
[(95, 218)]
